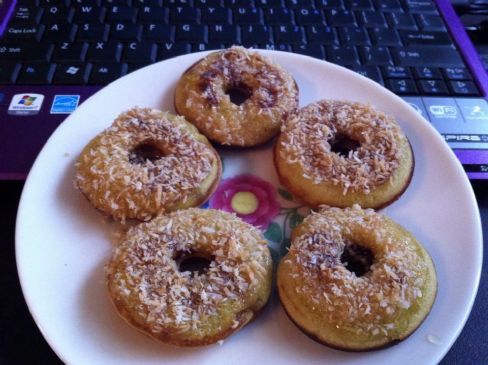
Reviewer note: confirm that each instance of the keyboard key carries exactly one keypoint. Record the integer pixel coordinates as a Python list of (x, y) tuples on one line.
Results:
[(354, 36), (389, 5), (177, 3), (307, 16), (24, 32), (359, 4), (275, 46), (456, 73), (246, 15), (427, 73), (434, 38), (340, 17), (288, 34), (421, 6), (104, 51), (322, 34), (385, 37), (330, 4), (433, 87), (191, 33), (168, 50), (125, 32), (120, 14), (71, 73), (402, 21), (184, 15), (57, 13), (343, 55), (140, 52), (36, 73), (26, 15), (464, 88), (312, 50), (223, 33), (8, 72), (401, 86), (278, 16), (207, 46), (28, 51), (439, 56), (88, 14), (105, 73), (143, 3), (371, 72), (429, 22), (131, 67), (211, 15), (255, 33), (59, 32), (371, 19), (150, 14), (299, 3), (92, 32), (396, 72), (67, 51), (158, 32), (375, 56)]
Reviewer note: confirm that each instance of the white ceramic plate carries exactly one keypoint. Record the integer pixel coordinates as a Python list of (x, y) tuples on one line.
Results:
[(62, 243)]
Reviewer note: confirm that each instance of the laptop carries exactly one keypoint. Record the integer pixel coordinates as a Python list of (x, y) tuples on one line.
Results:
[(54, 54)]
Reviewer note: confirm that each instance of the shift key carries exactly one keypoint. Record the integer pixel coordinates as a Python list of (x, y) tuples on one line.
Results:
[(427, 56), (25, 51)]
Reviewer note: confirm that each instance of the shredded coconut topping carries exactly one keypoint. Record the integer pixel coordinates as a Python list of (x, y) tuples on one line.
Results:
[(308, 135), (117, 185), (202, 97), (144, 278), (369, 304)]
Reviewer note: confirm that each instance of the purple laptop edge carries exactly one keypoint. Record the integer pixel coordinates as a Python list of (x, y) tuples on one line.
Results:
[(38, 110)]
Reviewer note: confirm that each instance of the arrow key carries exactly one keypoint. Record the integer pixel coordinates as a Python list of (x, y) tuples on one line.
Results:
[(433, 87)]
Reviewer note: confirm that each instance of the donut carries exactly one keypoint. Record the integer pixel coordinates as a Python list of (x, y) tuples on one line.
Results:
[(148, 162), (355, 280), (196, 304), (236, 97), (341, 153)]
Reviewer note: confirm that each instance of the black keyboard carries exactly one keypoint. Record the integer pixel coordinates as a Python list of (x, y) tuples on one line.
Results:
[(401, 44)]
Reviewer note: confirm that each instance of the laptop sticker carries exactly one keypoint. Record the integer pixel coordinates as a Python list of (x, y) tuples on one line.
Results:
[(25, 104), (64, 104)]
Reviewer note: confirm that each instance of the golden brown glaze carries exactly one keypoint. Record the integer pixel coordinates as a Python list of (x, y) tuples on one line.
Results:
[(148, 162), (186, 308), (351, 309), (202, 96)]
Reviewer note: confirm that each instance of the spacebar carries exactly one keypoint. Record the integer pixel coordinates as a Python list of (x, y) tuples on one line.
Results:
[(427, 56)]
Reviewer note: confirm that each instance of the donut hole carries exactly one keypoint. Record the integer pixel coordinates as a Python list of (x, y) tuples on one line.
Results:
[(238, 93), (194, 262), (357, 259), (145, 151), (342, 144)]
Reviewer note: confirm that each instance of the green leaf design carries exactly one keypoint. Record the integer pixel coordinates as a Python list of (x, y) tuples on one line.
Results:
[(285, 194), (284, 246), (273, 233), (295, 219)]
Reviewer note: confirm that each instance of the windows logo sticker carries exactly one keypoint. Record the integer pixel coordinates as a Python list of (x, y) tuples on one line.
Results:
[(25, 104), (64, 104)]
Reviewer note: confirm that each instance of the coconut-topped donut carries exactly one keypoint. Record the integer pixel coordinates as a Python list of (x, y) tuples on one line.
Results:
[(340, 153), (354, 279), (192, 277), (236, 97), (146, 163)]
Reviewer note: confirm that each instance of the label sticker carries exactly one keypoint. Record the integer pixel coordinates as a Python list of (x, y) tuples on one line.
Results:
[(25, 104), (64, 104)]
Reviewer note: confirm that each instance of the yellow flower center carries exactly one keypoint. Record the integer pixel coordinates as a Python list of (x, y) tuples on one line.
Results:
[(244, 202)]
